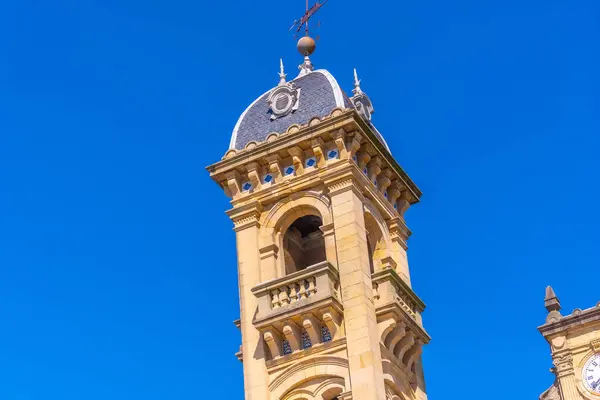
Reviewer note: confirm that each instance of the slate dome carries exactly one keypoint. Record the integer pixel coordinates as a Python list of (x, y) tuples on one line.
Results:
[(317, 95)]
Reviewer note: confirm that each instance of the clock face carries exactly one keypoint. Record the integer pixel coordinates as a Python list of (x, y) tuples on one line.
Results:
[(591, 374)]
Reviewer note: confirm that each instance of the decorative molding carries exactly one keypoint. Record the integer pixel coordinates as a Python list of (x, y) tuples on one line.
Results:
[(245, 216), (563, 364), (343, 184), (311, 363), (271, 250)]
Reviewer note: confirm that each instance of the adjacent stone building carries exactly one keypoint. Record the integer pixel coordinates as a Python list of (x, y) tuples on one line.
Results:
[(575, 345), (327, 309)]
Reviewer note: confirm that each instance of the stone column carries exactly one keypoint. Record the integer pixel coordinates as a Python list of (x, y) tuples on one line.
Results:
[(420, 391), (268, 264), (364, 355), (253, 346), (329, 239), (565, 372)]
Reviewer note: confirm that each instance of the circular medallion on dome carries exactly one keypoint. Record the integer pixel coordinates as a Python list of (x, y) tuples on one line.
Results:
[(282, 103), (283, 100)]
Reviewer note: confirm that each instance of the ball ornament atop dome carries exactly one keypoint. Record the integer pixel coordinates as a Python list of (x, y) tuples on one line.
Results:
[(306, 45)]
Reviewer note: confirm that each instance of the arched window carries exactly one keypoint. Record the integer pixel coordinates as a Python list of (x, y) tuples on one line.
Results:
[(303, 244)]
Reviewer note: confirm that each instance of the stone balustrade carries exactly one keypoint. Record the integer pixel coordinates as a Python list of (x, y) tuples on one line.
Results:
[(313, 286)]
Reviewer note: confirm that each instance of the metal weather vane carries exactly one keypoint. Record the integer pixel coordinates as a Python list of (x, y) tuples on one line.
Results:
[(303, 22)]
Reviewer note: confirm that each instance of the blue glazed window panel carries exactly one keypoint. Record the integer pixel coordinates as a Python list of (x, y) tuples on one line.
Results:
[(306, 343), (268, 178), (289, 170), (287, 349), (311, 162), (331, 154), (325, 334), (246, 186)]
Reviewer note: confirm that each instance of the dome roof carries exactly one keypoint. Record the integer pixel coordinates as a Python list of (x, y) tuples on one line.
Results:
[(314, 94)]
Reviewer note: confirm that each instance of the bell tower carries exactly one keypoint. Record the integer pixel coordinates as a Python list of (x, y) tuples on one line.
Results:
[(327, 310)]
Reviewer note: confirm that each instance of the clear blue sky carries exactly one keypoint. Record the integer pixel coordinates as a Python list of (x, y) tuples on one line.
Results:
[(118, 273)]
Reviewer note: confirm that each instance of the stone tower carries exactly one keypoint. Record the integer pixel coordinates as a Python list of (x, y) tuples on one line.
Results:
[(575, 345), (327, 310)]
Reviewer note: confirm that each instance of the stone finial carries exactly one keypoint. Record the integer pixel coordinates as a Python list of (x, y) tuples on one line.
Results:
[(551, 302), (282, 74), (357, 89), (306, 67)]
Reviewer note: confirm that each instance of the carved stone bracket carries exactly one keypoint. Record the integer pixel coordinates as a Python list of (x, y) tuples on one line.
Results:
[(233, 183), (254, 174), (312, 327), (354, 143), (293, 334), (384, 181), (297, 159), (363, 159), (332, 320), (273, 340), (275, 167), (339, 136), (374, 168), (318, 147)]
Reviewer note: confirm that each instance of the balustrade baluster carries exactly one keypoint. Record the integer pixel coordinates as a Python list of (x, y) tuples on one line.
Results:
[(284, 296), (312, 287), (294, 292), (302, 294), (275, 298)]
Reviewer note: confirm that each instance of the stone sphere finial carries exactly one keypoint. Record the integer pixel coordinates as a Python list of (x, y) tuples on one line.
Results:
[(306, 45)]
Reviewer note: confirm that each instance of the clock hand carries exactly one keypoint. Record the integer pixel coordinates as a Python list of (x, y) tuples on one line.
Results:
[(595, 384)]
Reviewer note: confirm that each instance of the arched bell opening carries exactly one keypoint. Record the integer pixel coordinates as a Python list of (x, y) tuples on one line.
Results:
[(303, 244), (376, 245)]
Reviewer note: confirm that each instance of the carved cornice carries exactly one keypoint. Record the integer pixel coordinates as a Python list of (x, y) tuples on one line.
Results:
[(571, 322), (329, 127)]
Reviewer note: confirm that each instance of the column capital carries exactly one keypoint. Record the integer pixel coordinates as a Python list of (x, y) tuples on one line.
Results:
[(269, 250), (328, 229), (245, 216), (399, 232), (343, 184), (564, 364)]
